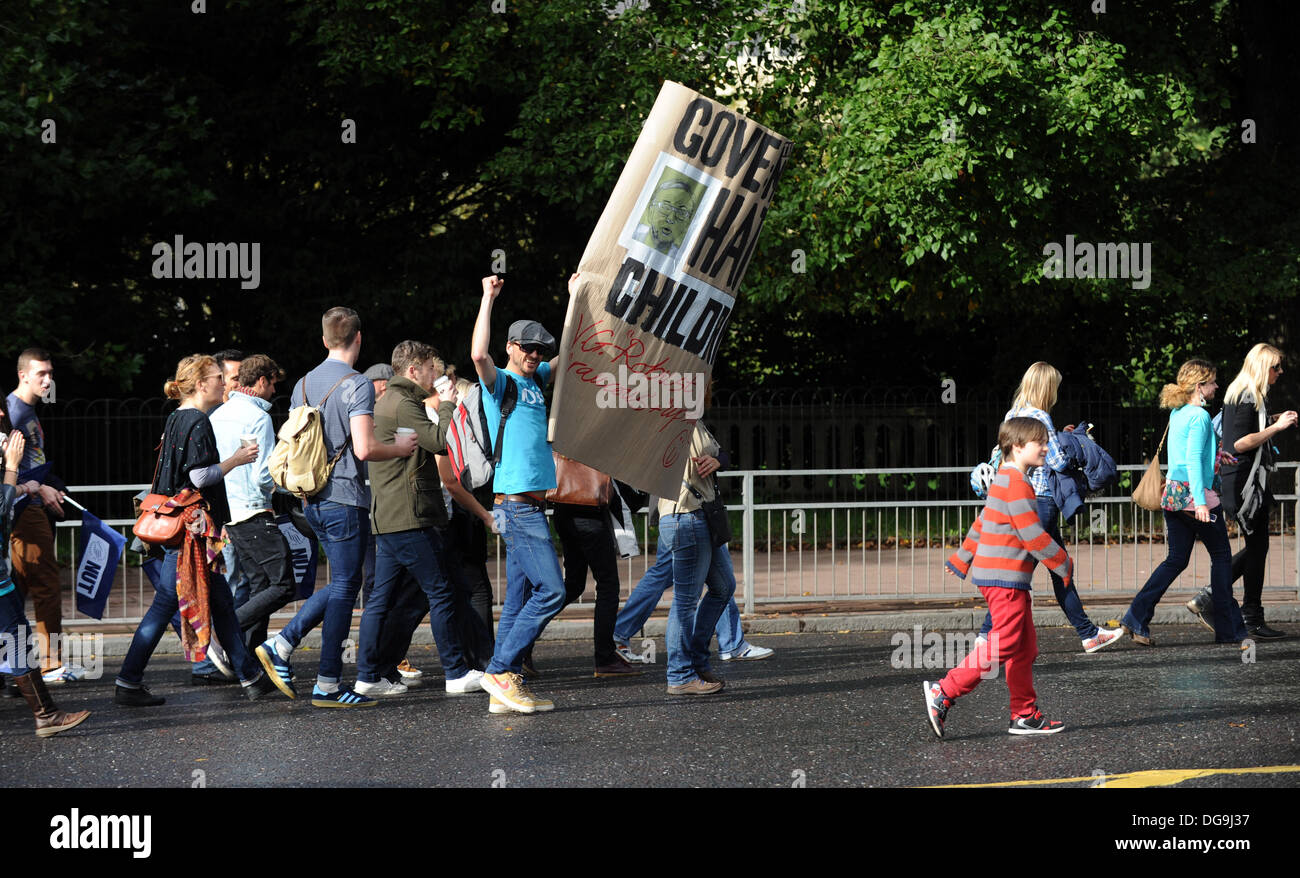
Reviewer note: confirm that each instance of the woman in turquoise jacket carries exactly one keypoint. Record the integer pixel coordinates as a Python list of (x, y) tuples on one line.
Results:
[(1191, 508)]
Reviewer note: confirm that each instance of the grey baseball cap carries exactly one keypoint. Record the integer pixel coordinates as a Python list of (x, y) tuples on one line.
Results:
[(379, 372), (530, 332)]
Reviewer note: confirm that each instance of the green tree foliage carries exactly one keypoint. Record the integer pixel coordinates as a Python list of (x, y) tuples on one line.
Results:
[(939, 147)]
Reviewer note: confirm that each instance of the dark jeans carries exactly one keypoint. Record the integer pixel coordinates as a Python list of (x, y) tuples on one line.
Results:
[(155, 621), (409, 606), (587, 538), (342, 531), (1066, 598), (419, 552), (265, 558), (1182, 533), (467, 549), (1248, 565)]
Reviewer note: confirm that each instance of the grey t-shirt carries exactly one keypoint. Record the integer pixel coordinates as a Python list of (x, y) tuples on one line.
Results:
[(354, 396)]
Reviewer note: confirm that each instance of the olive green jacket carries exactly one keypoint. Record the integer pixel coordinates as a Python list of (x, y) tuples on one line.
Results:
[(406, 492)]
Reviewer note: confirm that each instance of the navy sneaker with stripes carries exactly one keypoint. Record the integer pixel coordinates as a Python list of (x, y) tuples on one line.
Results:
[(276, 668), (339, 698)]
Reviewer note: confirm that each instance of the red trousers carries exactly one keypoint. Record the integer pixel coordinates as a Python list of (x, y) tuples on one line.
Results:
[(1012, 643)]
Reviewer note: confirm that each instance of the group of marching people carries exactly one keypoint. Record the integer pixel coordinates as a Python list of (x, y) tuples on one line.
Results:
[(399, 526), (1208, 479), (391, 513)]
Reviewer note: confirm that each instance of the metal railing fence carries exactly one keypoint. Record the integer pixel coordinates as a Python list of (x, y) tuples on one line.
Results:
[(829, 546)]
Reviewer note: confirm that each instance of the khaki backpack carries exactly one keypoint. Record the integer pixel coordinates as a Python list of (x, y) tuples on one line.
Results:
[(299, 464)]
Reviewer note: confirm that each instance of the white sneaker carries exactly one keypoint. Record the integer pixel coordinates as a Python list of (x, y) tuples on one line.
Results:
[(217, 656), (63, 674), (408, 671), (381, 689), (1103, 638), (625, 652), (748, 652), (469, 684)]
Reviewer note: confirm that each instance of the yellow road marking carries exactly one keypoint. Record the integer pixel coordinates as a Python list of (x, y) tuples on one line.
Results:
[(1159, 777)]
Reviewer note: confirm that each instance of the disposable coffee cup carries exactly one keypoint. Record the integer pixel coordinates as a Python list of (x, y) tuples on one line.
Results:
[(403, 430), (442, 383), (246, 440)]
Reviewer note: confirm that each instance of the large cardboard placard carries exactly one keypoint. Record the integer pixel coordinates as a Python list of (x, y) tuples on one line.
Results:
[(660, 278)]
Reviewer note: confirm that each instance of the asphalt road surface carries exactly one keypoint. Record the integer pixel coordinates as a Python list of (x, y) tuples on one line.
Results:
[(828, 710)]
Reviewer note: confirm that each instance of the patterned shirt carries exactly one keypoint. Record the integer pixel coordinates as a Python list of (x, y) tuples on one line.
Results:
[(1007, 540), (1056, 458)]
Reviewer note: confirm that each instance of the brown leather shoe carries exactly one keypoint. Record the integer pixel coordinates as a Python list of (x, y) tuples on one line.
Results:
[(1139, 639), (49, 719), (709, 677), (617, 668), (696, 686)]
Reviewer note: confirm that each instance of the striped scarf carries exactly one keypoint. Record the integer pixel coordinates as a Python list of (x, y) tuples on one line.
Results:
[(199, 554)]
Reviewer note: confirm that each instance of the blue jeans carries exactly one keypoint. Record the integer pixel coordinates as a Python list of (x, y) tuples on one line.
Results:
[(534, 584), (1182, 532), (645, 596), (17, 630), (691, 620), (730, 635), (238, 583), (1066, 598), (418, 552), (159, 615), (342, 531)]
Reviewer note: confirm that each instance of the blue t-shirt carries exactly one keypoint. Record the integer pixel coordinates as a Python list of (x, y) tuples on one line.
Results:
[(526, 462), (354, 396), (24, 420)]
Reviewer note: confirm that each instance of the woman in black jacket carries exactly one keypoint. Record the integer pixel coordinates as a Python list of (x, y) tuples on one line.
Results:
[(1248, 432)]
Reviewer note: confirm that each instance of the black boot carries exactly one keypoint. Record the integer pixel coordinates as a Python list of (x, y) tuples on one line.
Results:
[(1202, 607), (141, 697)]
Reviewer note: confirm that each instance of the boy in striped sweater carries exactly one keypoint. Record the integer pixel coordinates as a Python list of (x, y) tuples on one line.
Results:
[(999, 555)]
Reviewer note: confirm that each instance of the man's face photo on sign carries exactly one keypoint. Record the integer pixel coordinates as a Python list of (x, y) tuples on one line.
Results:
[(666, 218)]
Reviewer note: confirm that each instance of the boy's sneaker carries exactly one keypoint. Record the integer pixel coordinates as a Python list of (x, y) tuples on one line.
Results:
[(408, 672), (277, 669), (626, 654), (748, 652), (1102, 639), (936, 706), (508, 688), (379, 689), (339, 698), (1035, 724), (465, 685)]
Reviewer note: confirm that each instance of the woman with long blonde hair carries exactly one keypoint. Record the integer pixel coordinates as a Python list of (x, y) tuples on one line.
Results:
[(1193, 449), (1035, 398), (1248, 431)]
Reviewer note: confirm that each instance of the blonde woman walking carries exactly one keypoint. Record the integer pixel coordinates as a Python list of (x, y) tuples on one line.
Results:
[(1248, 432), (1035, 398), (1191, 508)]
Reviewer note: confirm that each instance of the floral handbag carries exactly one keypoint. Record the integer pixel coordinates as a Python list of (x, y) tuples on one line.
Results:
[(1178, 495)]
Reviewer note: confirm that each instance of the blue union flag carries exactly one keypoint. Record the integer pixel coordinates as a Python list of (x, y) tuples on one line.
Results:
[(97, 559)]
